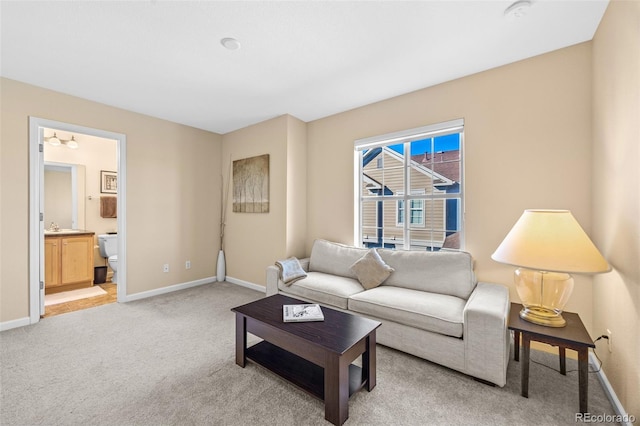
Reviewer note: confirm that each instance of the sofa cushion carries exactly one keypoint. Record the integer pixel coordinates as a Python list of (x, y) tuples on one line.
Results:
[(323, 288), (434, 312), (371, 270), (334, 258), (443, 272)]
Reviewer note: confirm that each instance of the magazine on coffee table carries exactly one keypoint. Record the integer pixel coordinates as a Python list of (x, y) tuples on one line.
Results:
[(301, 313)]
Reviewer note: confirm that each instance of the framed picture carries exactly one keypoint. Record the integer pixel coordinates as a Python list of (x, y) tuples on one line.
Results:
[(108, 182), (251, 185)]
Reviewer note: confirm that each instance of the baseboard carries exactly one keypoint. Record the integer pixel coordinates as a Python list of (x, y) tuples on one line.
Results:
[(625, 419), (246, 284), (169, 289), (8, 325)]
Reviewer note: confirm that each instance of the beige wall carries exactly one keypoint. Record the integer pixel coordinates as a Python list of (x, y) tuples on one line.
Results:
[(527, 145), (172, 192), (616, 201), (296, 188), (254, 241)]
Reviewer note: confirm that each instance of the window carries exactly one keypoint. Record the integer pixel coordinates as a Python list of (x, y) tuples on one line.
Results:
[(416, 211), (409, 192)]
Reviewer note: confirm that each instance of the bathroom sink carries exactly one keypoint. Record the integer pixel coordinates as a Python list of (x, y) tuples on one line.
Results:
[(61, 231)]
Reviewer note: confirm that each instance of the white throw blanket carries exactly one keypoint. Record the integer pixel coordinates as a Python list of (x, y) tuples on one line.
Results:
[(290, 270)]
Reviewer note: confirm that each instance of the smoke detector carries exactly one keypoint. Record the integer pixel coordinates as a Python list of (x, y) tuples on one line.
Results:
[(518, 9), (230, 43)]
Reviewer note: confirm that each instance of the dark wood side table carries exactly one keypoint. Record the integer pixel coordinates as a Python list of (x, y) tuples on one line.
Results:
[(573, 336)]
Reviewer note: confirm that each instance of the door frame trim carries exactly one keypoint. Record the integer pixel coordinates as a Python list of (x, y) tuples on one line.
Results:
[(36, 227)]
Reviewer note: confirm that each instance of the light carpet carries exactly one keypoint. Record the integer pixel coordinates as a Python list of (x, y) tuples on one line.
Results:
[(169, 360), (70, 296)]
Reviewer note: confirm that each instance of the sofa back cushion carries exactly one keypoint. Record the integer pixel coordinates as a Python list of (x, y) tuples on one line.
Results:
[(334, 258), (443, 272)]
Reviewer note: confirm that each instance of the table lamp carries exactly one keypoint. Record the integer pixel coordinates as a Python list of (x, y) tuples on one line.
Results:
[(548, 245)]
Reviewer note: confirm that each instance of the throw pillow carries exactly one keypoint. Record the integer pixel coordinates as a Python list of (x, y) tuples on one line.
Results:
[(371, 270)]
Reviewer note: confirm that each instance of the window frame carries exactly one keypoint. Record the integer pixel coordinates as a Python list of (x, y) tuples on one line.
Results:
[(406, 137), (375, 210)]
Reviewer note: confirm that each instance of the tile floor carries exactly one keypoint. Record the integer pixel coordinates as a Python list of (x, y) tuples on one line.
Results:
[(91, 302)]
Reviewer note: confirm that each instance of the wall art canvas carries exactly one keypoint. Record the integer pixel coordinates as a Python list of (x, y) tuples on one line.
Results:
[(251, 185)]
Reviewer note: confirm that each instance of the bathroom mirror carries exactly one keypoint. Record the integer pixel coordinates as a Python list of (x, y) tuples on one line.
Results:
[(64, 195)]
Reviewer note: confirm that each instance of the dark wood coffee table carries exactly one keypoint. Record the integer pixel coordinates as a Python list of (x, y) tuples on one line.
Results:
[(315, 356), (573, 336)]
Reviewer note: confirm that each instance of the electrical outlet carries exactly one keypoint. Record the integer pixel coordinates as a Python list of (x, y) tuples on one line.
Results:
[(609, 343), (187, 264), (165, 268)]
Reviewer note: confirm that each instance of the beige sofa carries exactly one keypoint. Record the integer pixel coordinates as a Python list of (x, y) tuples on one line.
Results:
[(430, 306)]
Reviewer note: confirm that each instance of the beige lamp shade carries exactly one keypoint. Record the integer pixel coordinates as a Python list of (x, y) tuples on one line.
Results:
[(552, 241)]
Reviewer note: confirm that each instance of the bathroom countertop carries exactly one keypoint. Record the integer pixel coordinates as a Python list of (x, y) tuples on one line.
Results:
[(67, 233)]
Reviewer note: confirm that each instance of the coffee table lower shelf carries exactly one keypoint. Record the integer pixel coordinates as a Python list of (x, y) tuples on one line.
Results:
[(298, 371)]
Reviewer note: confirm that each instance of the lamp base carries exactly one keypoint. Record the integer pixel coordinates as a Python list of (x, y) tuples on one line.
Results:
[(542, 316), (544, 295)]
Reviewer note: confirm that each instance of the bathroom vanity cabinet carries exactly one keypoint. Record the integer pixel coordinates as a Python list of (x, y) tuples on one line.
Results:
[(68, 260)]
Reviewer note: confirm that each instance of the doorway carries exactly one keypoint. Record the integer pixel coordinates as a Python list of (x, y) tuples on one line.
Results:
[(37, 128)]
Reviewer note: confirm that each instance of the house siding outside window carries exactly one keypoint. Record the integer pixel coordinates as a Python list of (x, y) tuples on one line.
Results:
[(420, 168)]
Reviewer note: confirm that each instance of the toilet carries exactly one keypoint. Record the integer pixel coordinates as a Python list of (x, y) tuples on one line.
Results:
[(108, 244)]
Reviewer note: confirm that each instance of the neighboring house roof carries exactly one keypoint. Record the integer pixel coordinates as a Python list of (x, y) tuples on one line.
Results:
[(445, 163), (437, 177), (370, 183), (452, 241)]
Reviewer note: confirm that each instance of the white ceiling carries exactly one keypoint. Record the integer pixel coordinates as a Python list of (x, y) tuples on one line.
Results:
[(309, 59)]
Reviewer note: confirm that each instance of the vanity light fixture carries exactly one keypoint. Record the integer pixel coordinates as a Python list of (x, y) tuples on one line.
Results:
[(53, 140), (56, 141), (72, 143)]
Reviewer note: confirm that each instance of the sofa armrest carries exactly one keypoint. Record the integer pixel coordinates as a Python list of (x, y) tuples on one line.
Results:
[(273, 276), (304, 263), (486, 336)]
